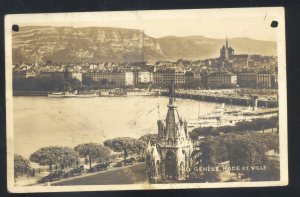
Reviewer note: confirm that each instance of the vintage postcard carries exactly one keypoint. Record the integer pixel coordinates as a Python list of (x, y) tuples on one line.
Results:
[(140, 100)]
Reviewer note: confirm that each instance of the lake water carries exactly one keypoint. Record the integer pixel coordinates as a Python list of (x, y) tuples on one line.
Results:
[(43, 121)]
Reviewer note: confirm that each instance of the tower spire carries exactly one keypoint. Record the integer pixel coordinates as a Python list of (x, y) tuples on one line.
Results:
[(226, 42), (172, 94)]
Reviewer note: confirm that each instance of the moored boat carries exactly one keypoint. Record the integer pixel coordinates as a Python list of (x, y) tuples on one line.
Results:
[(61, 95), (138, 93), (72, 95)]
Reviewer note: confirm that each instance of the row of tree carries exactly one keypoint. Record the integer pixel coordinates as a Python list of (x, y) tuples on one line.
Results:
[(259, 124), (240, 150), (68, 157), (53, 83)]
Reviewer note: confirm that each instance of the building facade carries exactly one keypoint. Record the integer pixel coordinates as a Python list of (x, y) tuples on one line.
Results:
[(189, 77), (99, 76), (221, 78), (247, 79), (119, 78), (168, 159), (168, 76), (140, 77), (265, 79)]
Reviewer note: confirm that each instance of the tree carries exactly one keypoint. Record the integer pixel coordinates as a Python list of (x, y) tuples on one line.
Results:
[(51, 83), (244, 126), (149, 137), (92, 151), (246, 150), (206, 155), (126, 145), (69, 158), (139, 146), (21, 165), (54, 155)]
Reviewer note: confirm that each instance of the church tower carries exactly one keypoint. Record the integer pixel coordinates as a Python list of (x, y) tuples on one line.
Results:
[(226, 49), (226, 52), (173, 146)]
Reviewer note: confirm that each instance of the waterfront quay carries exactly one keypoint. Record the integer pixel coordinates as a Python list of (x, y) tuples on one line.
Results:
[(232, 99)]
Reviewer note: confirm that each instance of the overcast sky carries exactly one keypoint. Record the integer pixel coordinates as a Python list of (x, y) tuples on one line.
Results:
[(214, 23)]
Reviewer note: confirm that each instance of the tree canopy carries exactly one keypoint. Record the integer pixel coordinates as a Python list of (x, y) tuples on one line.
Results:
[(54, 155), (149, 137), (93, 151), (243, 149), (243, 126), (130, 144), (21, 165)]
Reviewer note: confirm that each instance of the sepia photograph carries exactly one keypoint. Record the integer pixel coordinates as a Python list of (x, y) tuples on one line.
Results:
[(139, 100)]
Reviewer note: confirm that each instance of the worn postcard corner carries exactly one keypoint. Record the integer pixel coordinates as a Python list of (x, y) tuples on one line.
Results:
[(141, 100)]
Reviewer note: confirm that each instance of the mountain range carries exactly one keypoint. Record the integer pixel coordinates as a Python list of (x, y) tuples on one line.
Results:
[(98, 44)]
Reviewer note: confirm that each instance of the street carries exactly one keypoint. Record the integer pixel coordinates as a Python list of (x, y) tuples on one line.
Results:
[(125, 175)]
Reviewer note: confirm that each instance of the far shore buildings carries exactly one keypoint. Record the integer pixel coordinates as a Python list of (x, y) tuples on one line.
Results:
[(248, 78), (228, 70), (251, 79)]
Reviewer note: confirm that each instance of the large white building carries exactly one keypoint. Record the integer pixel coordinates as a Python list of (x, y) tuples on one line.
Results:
[(144, 77), (77, 76), (120, 78)]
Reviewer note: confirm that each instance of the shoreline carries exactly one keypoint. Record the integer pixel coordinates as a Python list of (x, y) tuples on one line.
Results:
[(232, 100)]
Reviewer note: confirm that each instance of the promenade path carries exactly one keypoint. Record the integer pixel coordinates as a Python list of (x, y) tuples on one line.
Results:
[(135, 173)]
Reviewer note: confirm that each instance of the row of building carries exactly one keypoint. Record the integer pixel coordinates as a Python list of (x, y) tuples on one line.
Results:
[(245, 79), (122, 78)]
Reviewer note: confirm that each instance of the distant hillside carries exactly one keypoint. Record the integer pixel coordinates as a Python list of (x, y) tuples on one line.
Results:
[(97, 44), (199, 47)]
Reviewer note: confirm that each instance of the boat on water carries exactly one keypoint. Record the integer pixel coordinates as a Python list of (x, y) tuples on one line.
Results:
[(117, 92), (61, 95), (221, 116), (74, 94), (212, 119), (138, 93), (141, 92)]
